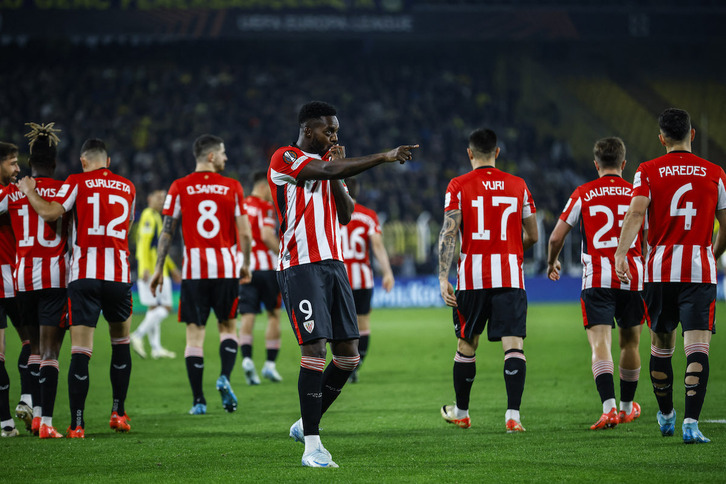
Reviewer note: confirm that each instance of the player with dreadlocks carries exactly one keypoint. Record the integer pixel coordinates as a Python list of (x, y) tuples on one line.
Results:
[(40, 274)]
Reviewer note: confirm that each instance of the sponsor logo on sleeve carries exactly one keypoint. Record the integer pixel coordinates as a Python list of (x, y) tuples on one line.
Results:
[(289, 157)]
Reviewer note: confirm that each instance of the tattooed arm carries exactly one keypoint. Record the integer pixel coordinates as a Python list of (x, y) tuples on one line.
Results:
[(447, 247), (162, 250)]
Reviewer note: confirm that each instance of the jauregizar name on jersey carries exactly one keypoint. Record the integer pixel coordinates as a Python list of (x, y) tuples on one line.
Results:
[(111, 184), (213, 189), (682, 170), (607, 191)]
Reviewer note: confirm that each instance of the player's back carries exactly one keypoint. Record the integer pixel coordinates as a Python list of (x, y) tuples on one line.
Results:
[(261, 214), (685, 192), (103, 206), (208, 204), (355, 239), (600, 205), (42, 261), (493, 204)]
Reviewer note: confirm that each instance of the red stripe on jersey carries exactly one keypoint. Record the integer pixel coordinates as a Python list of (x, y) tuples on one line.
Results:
[(584, 313), (355, 238), (295, 326), (261, 214), (711, 315), (462, 323)]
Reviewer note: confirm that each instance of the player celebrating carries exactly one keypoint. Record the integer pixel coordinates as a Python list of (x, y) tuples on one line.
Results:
[(489, 209), (681, 193), (41, 272), (8, 307), (213, 220), (263, 289), (149, 230), (310, 201), (601, 205), (103, 204), (363, 232)]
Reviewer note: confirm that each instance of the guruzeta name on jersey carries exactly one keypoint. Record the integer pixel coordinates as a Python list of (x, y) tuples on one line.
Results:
[(111, 184)]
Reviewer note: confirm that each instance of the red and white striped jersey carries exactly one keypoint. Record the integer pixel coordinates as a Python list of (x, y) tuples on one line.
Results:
[(493, 205), (261, 214), (306, 211), (208, 204), (600, 207), (104, 205), (7, 254), (684, 191), (356, 246), (42, 248)]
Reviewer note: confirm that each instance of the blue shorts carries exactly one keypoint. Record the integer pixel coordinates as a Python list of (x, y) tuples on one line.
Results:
[(319, 301)]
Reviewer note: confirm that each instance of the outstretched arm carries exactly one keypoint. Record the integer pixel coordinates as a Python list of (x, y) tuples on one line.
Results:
[(340, 167), (48, 211), (167, 235), (632, 223), (379, 251), (557, 240), (447, 246)]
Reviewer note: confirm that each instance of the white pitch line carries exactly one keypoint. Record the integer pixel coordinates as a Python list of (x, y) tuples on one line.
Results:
[(721, 421)]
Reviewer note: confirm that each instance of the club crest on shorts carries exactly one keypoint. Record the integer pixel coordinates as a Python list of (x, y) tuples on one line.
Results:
[(289, 157), (309, 325)]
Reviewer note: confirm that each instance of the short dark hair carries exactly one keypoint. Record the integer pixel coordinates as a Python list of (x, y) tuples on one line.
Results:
[(206, 143), (315, 110), (483, 141), (675, 124), (352, 185), (609, 152), (7, 150), (258, 176), (93, 146)]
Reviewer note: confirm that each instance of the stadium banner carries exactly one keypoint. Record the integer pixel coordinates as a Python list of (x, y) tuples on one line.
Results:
[(423, 292)]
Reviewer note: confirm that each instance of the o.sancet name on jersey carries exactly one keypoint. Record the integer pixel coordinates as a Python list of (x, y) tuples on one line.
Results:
[(204, 189)]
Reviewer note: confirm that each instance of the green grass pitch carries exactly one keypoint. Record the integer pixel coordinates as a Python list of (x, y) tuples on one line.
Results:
[(387, 427)]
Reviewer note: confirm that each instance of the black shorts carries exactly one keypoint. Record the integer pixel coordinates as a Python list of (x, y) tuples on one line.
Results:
[(604, 306), (504, 308), (45, 307), (691, 304), (199, 296), (262, 290), (362, 298), (88, 297), (319, 301), (9, 309)]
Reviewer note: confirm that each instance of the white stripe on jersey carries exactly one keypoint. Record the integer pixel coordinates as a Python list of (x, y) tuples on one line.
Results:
[(514, 270), (676, 262), (20, 270), (55, 275), (123, 258), (496, 266), (298, 162), (605, 272), (356, 276), (574, 215), (75, 268), (90, 263), (477, 260), (462, 272), (721, 203), (8, 287), (657, 262), (696, 265), (109, 271), (37, 272), (587, 270), (195, 263), (712, 266), (228, 263), (319, 211), (212, 264), (641, 273)]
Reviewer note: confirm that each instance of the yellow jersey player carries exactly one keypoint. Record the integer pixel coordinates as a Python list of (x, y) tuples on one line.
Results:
[(160, 305)]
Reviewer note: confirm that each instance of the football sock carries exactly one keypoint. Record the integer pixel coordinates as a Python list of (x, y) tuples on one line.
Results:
[(272, 346), (4, 391), (309, 388), (34, 372), (312, 442), (245, 345), (628, 385), (696, 380), (49, 386), (194, 359), (335, 376), (464, 373), (25, 384), (227, 353), (78, 379), (661, 376), (512, 415), (120, 372), (515, 371), (602, 371), (363, 342)]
